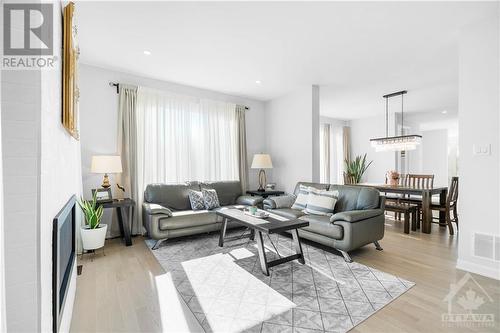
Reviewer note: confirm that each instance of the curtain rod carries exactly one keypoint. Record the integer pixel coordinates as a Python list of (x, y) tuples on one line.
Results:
[(117, 85)]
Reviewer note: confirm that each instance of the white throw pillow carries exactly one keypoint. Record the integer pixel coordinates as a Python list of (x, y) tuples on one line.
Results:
[(301, 201), (321, 202)]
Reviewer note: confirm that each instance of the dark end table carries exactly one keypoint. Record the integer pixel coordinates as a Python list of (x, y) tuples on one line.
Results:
[(265, 194), (123, 215)]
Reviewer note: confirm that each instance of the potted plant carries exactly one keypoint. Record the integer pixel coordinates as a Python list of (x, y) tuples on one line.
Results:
[(93, 232), (356, 168)]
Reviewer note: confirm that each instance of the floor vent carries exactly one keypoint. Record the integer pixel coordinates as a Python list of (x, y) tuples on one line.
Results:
[(484, 246)]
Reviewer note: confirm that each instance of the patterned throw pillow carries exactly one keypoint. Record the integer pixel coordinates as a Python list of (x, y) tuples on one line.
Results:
[(210, 198), (321, 202), (301, 201), (196, 200)]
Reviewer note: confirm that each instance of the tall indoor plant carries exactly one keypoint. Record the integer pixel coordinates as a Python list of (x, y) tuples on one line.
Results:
[(356, 168), (93, 232)]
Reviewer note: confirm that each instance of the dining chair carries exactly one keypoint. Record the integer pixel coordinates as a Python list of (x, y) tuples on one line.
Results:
[(418, 181), (403, 179), (451, 204)]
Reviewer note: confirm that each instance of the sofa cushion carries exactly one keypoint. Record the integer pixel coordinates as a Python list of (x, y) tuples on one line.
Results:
[(289, 213), (319, 186), (322, 225), (174, 196), (196, 200), (321, 202), (210, 198), (227, 191), (302, 197), (187, 219), (355, 198)]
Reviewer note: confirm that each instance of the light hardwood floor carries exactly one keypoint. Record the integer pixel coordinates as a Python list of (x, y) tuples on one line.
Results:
[(118, 292)]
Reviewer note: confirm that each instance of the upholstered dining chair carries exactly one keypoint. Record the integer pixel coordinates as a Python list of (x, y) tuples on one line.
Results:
[(451, 204)]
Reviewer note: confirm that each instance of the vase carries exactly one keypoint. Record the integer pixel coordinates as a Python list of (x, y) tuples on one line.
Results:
[(93, 239)]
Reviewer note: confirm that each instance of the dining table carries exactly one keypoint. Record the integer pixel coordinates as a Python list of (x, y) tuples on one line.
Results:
[(425, 193)]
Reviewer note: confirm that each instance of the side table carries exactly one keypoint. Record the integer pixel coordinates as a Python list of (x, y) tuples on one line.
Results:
[(265, 194), (123, 215)]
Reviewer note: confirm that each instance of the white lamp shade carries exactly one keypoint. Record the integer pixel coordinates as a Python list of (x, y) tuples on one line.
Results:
[(106, 164), (262, 161)]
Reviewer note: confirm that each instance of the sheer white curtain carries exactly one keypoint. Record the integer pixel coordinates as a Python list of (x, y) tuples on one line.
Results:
[(181, 138)]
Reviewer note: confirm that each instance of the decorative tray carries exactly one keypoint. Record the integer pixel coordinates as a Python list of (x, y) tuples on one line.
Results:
[(263, 216)]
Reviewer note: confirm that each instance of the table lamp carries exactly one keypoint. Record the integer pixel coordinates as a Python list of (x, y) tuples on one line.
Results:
[(262, 161), (106, 164)]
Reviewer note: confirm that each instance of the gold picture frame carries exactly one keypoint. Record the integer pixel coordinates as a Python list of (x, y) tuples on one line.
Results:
[(70, 90)]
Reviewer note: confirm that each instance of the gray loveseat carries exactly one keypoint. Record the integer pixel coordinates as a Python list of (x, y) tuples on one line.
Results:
[(166, 211), (358, 217)]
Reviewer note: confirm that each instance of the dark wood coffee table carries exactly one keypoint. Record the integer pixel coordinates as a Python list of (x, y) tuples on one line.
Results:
[(271, 225)]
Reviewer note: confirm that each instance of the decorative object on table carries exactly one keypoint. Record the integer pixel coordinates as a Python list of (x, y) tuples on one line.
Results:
[(265, 193), (102, 194), (395, 143), (120, 187), (356, 168), (257, 214), (106, 164), (392, 177), (252, 210), (270, 186), (70, 55), (196, 200), (93, 233), (262, 161), (210, 198)]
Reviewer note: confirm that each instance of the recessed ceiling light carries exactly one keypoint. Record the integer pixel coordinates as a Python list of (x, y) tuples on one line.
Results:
[(258, 82), (146, 52), (444, 112)]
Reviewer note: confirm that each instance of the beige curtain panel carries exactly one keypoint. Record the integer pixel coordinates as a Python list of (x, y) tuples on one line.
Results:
[(242, 147), (127, 148)]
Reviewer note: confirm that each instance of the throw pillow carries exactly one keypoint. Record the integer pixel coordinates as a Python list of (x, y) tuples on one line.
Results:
[(284, 201), (196, 200), (301, 201), (321, 202), (210, 198)]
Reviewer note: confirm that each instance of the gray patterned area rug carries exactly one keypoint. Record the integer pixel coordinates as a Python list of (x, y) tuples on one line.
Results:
[(227, 292)]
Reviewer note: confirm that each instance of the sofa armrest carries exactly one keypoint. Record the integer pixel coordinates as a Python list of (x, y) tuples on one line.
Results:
[(281, 201), (356, 215), (249, 200), (155, 209)]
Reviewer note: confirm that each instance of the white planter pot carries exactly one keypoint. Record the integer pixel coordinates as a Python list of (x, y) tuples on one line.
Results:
[(93, 239)]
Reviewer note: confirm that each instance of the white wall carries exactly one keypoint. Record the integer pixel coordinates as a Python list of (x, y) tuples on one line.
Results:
[(21, 150), (289, 134), (362, 130), (434, 161), (99, 120), (478, 125), (60, 178), (3, 325)]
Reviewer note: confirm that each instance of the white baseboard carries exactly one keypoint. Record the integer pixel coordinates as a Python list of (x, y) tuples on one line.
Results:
[(479, 269)]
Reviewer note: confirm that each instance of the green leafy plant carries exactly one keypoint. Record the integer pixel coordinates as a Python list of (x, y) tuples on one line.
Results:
[(92, 211), (356, 168)]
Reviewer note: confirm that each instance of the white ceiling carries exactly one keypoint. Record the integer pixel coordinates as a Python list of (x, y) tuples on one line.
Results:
[(356, 51)]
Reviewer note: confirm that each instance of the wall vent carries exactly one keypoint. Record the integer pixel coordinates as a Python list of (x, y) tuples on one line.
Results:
[(484, 245)]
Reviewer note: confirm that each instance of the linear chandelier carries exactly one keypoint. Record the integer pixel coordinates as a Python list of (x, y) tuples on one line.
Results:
[(395, 143)]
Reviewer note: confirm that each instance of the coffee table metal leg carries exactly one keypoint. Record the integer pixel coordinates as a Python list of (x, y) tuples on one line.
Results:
[(298, 246), (252, 234), (222, 232), (262, 253)]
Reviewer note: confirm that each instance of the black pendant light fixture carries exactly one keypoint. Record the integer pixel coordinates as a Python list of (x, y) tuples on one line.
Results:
[(395, 143)]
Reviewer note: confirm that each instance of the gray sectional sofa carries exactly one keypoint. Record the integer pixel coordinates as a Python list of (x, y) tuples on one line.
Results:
[(358, 217), (166, 211)]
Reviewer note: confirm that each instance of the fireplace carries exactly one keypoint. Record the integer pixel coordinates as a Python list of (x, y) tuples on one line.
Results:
[(63, 257)]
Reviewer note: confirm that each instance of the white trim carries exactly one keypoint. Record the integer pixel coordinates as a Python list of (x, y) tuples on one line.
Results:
[(472, 267)]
